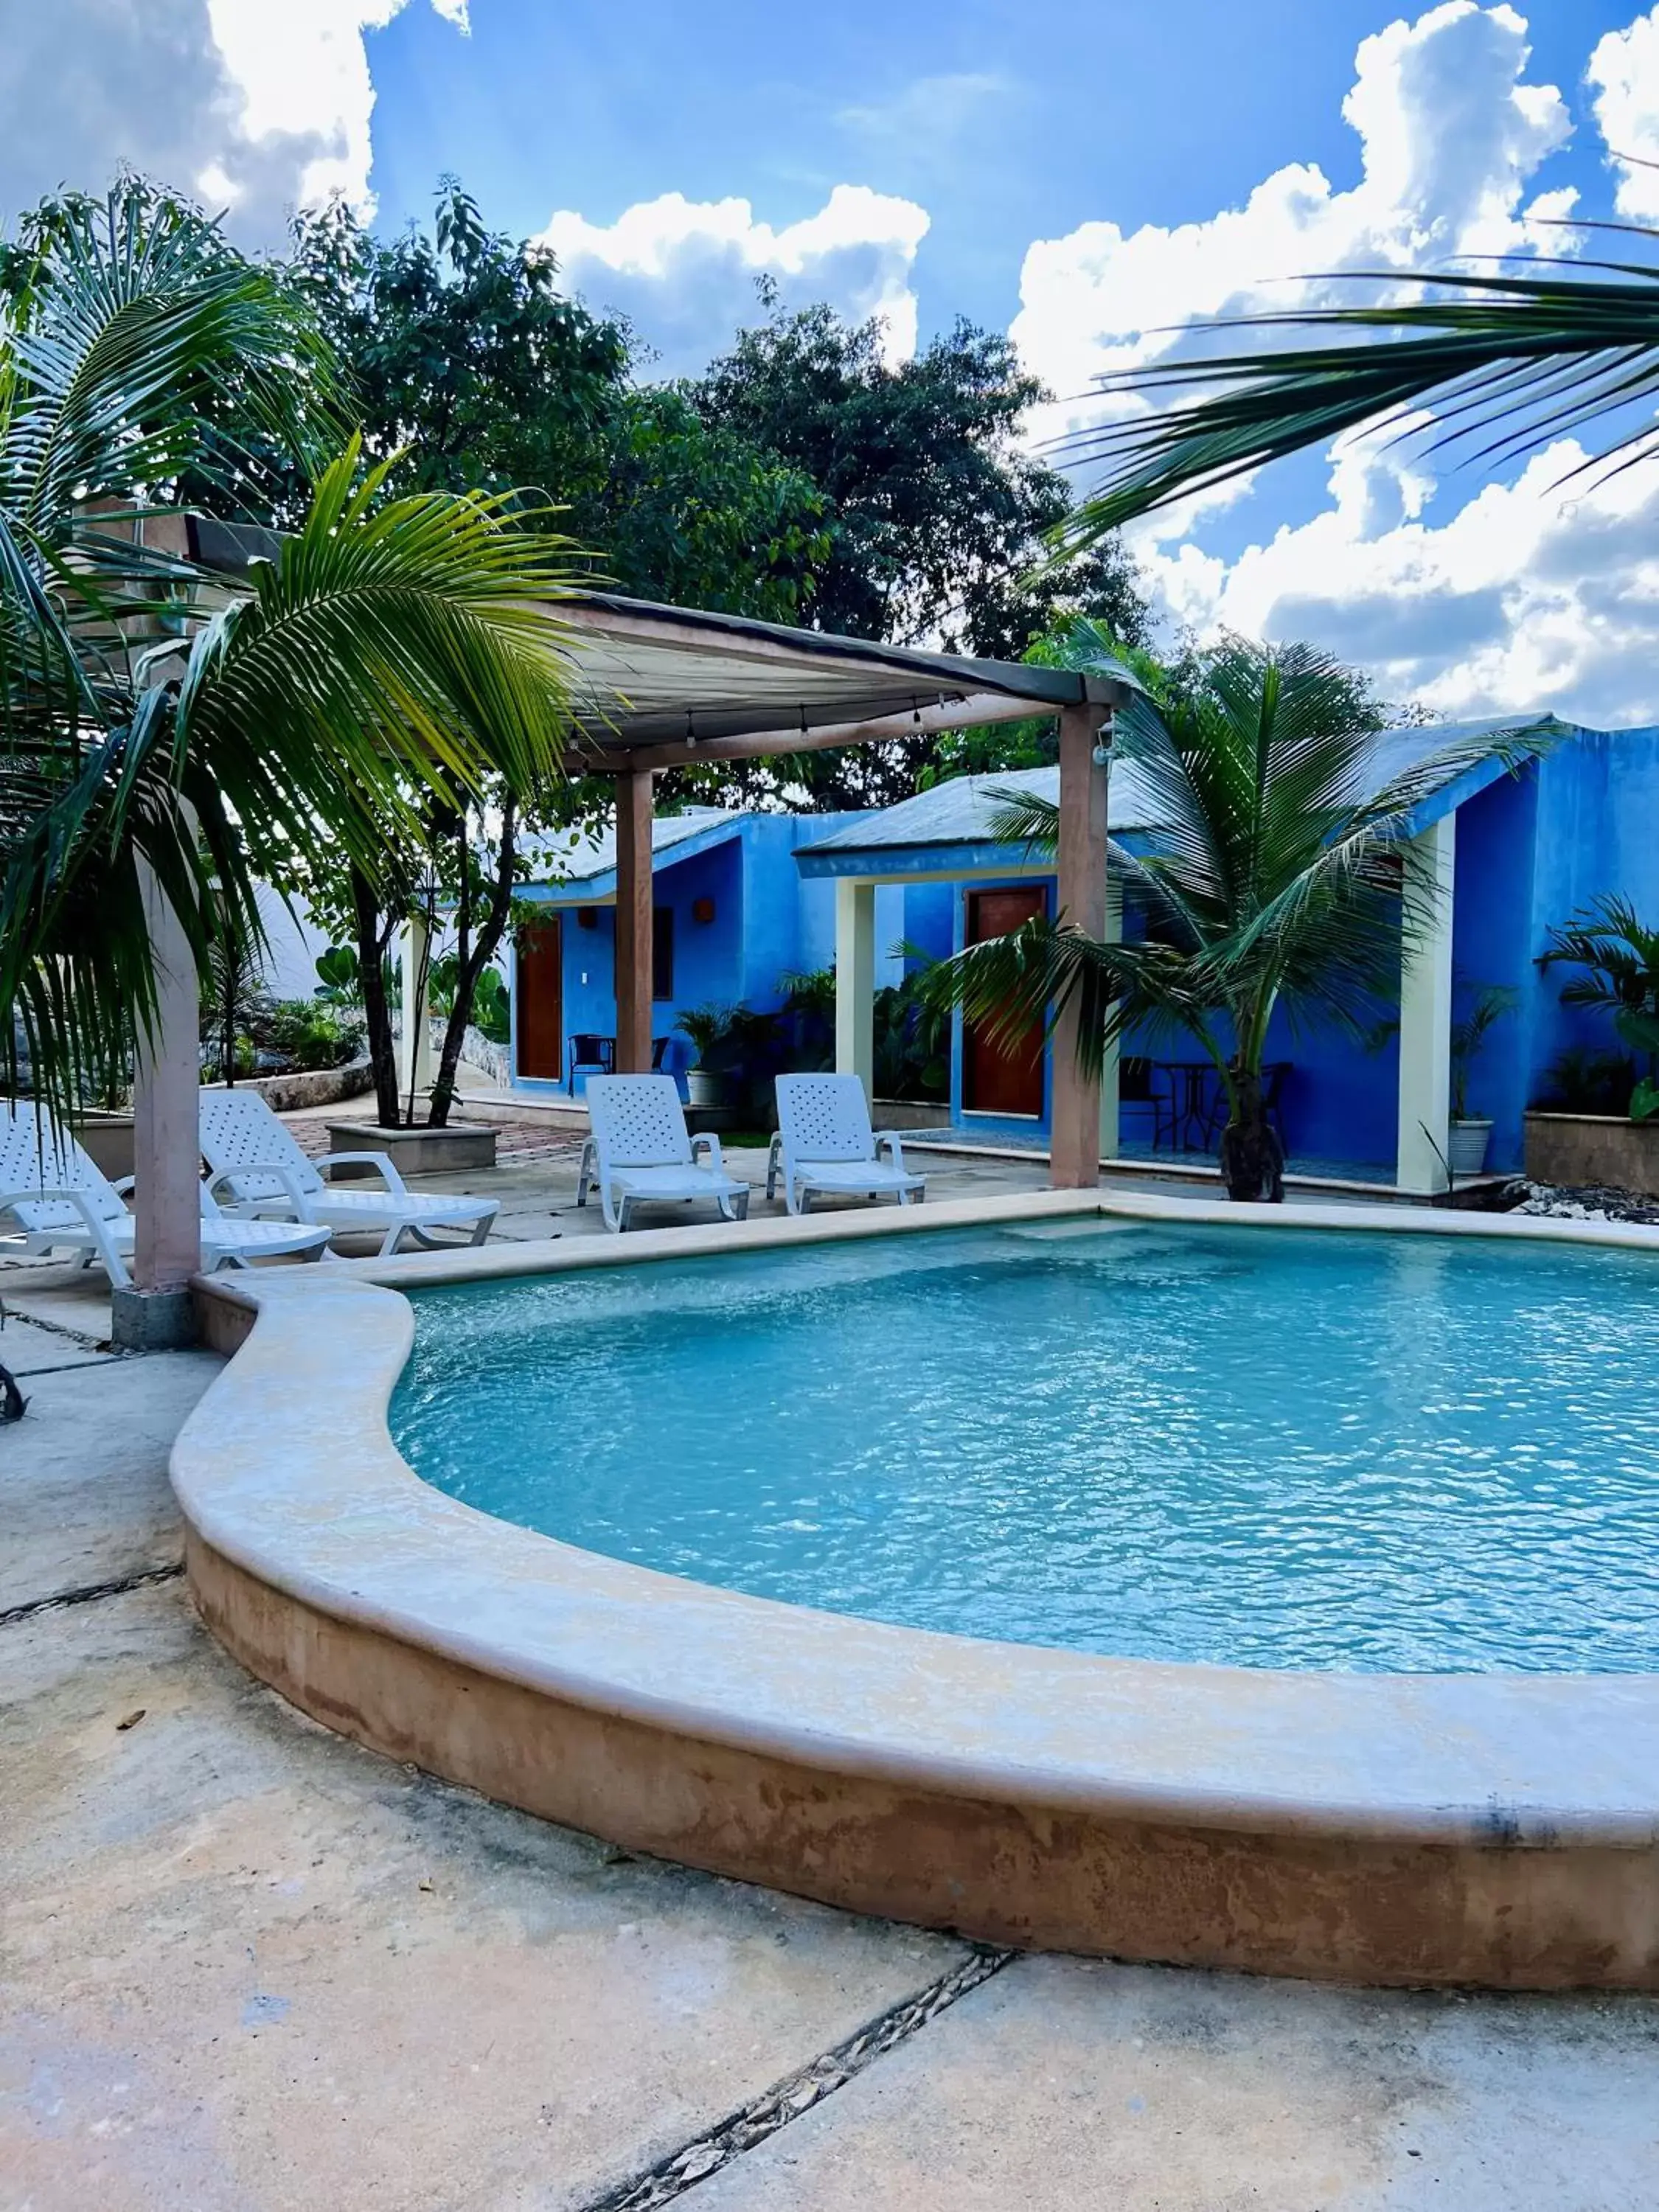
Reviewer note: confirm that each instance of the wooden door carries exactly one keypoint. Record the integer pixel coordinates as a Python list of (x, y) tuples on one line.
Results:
[(539, 1023), (997, 1078)]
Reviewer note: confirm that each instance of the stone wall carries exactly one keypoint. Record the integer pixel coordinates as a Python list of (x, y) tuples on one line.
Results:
[(309, 1086), (1582, 1149)]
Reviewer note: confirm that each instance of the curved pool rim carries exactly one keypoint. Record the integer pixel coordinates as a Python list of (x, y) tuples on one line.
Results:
[(1478, 1829)]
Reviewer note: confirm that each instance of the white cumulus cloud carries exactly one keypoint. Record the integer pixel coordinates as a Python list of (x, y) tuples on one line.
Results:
[(1449, 134), (1541, 593), (1624, 70), (257, 106), (1541, 590), (683, 271)]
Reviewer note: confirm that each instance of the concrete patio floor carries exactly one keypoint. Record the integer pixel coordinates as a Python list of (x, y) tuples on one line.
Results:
[(247, 1967)]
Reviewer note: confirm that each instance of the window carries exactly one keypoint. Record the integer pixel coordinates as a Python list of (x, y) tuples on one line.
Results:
[(662, 951)]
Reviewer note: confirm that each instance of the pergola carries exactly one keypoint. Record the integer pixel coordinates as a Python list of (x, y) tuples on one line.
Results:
[(657, 687)]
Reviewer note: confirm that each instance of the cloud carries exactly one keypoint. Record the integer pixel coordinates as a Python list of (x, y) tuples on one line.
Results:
[(1541, 590), (1625, 71), (1449, 135), (928, 109), (1535, 593), (683, 271), (257, 105)]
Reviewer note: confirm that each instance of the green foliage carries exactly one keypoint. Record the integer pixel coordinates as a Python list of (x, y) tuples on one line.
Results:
[(912, 1041), (1488, 1006), (339, 978), (912, 1031), (1581, 1080), (309, 1035), (491, 1006), (1274, 879), (1076, 641), (1619, 956), (468, 364), (689, 512), (1497, 365), (476, 373), (936, 511), (707, 1027), (216, 726)]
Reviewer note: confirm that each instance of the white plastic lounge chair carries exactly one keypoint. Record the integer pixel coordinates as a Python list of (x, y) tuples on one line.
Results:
[(256, 1169), (640, 1150), (825, 1146), (61, 1200)]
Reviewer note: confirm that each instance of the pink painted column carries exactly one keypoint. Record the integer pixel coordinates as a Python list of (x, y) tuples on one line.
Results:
[(167, 1095), (1074, 1146)]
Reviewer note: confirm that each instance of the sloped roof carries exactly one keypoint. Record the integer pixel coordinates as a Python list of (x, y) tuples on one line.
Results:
[(563, 871), (960, 813)]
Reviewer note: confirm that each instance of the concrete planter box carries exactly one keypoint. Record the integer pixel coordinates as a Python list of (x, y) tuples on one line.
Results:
[(462, 1148), (106, 1139), (909, 1114), (1582, 1149)]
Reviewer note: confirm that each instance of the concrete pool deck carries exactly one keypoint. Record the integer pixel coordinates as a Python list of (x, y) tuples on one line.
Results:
[(248, 1965)]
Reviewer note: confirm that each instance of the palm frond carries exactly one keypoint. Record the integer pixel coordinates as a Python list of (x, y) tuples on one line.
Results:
[(1529, 358)]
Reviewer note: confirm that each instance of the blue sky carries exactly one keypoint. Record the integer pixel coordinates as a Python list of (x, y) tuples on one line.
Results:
[(1007, 119), (1092, 178)]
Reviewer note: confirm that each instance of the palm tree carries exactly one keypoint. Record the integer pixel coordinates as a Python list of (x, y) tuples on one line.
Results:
[(1497, 364), (1619, 954), (212, 728), (1275, 876)]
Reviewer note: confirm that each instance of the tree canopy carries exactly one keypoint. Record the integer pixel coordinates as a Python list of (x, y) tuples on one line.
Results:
[(937, 512), (467, 360)]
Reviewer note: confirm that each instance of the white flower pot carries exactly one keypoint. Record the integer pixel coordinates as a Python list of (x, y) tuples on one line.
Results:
[(1465, 1145)]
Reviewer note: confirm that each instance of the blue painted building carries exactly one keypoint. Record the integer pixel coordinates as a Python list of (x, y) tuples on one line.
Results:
[(744, 900), (733, 918), (1516, 853)]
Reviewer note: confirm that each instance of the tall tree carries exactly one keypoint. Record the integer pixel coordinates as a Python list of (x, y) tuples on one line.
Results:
[(936, 510), (472, 370), (386, 645)]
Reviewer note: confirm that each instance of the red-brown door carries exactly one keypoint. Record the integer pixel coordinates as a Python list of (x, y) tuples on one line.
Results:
[(1001, 1078), (539, 1027)]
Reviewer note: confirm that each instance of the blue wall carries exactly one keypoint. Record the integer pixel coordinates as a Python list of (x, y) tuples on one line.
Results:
[(1531, 848), (767, 923)]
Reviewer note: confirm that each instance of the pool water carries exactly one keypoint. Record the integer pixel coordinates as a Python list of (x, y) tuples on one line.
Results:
[(1269, 1448)]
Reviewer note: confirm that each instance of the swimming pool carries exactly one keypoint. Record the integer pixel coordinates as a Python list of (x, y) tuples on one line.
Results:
[(1278, 1450)]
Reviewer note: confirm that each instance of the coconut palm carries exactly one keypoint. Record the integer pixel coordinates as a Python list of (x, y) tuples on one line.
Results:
[(210, 727), (1272, 878), (1493, 365)]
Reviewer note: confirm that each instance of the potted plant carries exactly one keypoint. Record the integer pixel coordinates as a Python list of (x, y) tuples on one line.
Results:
[(707, 1028), (1471, 1134)]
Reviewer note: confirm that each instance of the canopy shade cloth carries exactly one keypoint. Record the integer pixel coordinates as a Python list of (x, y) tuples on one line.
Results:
[(658, 687)]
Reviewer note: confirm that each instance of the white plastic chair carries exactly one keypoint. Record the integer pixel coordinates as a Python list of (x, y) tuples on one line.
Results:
[(257, 1169), (62, 1201), (640, 1150), (825, 1146)]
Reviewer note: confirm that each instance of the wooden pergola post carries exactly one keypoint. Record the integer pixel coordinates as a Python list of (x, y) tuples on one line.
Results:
[(155, 1312), (1074, 1146), (633, 922)]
